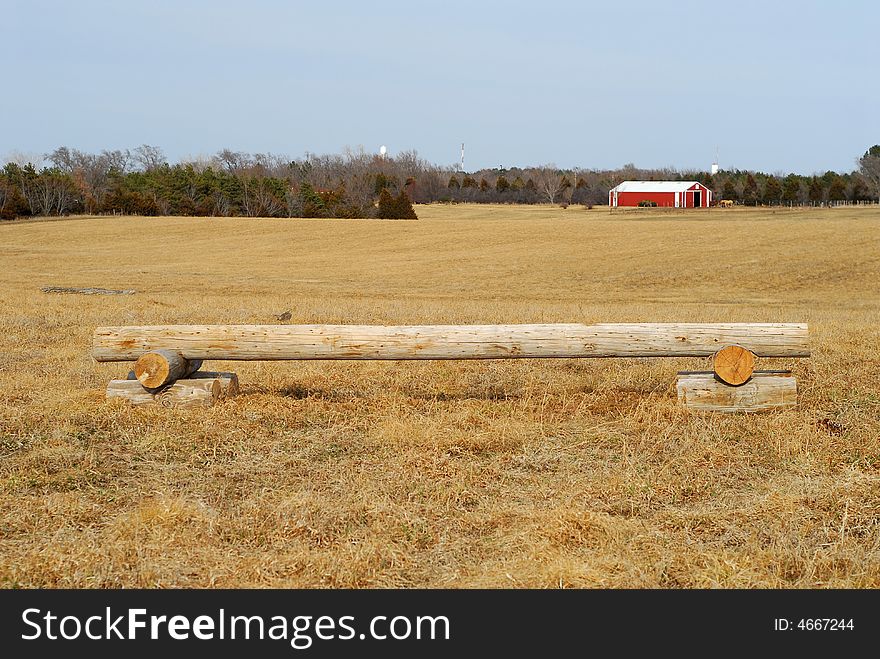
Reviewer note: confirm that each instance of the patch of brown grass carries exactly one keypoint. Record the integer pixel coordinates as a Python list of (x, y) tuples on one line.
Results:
[(535, 473)]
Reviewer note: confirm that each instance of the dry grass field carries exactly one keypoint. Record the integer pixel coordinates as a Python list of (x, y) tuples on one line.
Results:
[(532, 473)]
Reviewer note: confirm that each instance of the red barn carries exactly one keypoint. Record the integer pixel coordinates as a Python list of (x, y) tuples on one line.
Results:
[(671, 194)]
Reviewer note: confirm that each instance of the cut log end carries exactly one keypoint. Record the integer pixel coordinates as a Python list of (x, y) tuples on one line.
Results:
[(734, 365), (160, 367), (152, 370)]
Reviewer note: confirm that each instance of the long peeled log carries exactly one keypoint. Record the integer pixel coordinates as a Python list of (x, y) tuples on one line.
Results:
[(160, 367), (279, 342)]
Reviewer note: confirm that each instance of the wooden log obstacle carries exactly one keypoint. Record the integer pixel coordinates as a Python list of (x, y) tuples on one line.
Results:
[(169, 355)]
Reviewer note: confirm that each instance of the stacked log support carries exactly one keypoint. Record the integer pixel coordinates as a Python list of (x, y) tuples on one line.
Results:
[(228, 381), (199, 389), (765, 390), (183, 393)]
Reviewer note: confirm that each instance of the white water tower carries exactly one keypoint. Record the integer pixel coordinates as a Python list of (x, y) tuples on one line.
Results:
[(382, 151), (715, 164)]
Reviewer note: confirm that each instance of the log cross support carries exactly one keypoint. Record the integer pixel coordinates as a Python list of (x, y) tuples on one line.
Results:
[(160, 367), (734, 365)]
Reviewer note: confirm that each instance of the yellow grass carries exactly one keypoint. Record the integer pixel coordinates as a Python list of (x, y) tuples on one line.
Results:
[(446, 474)]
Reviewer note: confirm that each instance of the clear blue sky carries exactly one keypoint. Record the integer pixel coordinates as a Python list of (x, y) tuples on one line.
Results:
[(775, 85)]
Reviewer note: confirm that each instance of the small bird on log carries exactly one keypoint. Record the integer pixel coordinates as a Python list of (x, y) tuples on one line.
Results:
[(283, 316)]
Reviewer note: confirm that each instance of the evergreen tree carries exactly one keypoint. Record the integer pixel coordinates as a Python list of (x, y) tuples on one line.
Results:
[(772, 191), (750, 191), (791, 189), (816, 192), (395, 208), (869, 166), (387, 206), (312, 203), (382, 181), (837, 189), (501, 185), (453, 183), (403, 207), (729, 191), (859, 190), (581, 193)]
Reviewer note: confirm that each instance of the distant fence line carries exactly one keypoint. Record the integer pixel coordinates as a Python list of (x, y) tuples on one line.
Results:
[(816, 204), (852, 203)]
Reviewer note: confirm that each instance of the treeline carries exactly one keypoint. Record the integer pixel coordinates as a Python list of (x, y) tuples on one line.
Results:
[(591, 187), (141, 182), (357, 184), (758, 188)]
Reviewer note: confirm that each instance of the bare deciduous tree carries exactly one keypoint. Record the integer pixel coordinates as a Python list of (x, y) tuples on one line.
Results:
[(359, 180), (199, 163), (23, 159), (149, 157), (5, 195), (118, 161), (549, 181), (869, 166), (65, 159), (91, 172), (233, 161), (572, 185)]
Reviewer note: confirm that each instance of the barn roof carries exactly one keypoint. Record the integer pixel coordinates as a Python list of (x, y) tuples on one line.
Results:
[(654, 186)]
